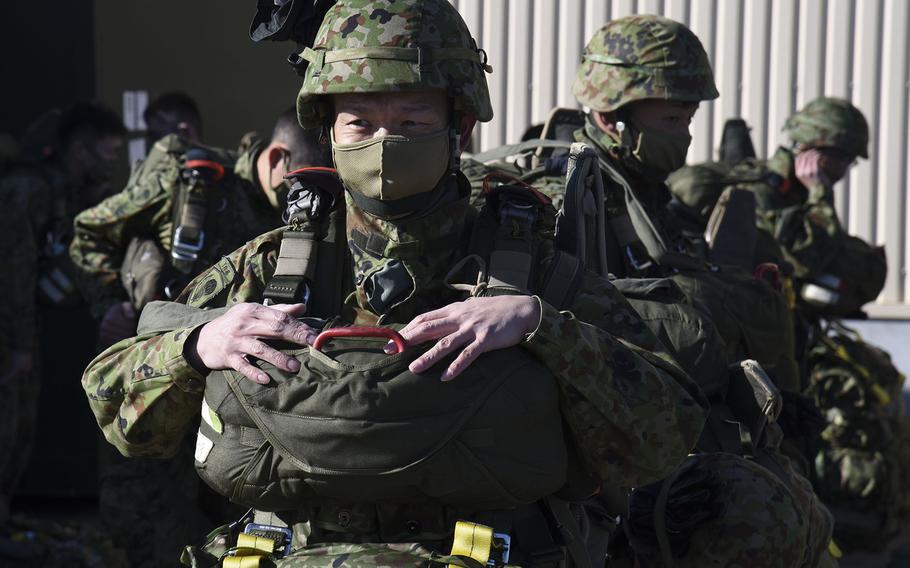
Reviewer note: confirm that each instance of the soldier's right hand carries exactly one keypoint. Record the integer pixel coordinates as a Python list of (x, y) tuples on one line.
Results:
[(228, 341)]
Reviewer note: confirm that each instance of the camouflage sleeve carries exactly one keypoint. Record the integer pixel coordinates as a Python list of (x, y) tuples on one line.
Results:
[(634, 413), (142, 390), (23, 209), (103, 233)]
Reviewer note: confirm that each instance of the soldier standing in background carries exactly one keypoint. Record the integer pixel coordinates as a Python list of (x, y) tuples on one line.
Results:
[(861, 461), (38, 201), (173, 113), (643, 77), (186, 205)]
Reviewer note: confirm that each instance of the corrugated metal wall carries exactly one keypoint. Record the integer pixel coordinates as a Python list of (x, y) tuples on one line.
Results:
[(770, 57)]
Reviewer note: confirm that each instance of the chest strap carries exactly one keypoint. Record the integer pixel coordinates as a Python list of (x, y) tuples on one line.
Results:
[(200, 176), (311, 242)]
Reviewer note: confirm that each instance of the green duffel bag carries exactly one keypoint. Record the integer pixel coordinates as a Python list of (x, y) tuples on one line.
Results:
[(355, 425)]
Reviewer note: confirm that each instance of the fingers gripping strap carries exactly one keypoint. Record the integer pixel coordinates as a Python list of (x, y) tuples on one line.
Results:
[(472, 540)]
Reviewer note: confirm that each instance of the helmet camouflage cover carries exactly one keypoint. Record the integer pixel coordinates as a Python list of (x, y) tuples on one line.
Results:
[(719, 510), (368, 46), (829, 122), (643, 57)]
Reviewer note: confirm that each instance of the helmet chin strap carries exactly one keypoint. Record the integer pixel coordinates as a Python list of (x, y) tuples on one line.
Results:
[(454, 138)]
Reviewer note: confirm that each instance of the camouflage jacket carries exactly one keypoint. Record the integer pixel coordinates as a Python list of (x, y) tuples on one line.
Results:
[(238, 212), (634, 414), (35, 216)]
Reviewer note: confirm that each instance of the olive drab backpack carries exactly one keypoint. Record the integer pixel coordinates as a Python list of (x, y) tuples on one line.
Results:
[(862, 467)]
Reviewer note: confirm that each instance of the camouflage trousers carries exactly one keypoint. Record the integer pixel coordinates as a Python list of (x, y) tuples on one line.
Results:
[(153, 507), (18, 421)]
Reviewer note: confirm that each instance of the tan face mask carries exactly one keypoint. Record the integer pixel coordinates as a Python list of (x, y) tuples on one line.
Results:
[(659, 152), (393, 167)]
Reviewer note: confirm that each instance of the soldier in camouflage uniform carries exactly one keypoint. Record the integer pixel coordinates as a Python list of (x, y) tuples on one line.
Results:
[(632, 412), (247, 201), (859, 463), (38, 201), (835, 272), (642, 78)]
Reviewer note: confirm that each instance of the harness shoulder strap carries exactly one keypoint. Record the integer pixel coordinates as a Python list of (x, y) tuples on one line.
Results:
[(199, 176), (313, 254)]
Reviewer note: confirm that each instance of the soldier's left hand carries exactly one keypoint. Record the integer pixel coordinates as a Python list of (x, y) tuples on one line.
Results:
[(472, 327)]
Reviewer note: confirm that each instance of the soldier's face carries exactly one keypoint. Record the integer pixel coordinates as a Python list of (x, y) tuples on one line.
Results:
[(835, 163), (666, 116), (361, 116)]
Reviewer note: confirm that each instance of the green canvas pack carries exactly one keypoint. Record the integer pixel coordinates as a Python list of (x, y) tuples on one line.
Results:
[(354, 423), (862, 467), (752, 318), (855, 275)]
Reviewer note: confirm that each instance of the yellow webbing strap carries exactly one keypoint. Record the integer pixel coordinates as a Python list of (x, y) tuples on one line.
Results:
[(879, 391), (242, 561), (261, 544), (834, 550), (472, 540)]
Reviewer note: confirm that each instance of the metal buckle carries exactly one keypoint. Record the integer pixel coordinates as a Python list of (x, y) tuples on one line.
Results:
[(186, 251), (637, 264), (526, 213), (282, 548), (499, 549)]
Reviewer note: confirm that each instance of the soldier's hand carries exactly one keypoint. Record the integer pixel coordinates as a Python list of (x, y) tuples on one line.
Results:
[(228, 341), (472, 327), (118, 323), (809, 167)]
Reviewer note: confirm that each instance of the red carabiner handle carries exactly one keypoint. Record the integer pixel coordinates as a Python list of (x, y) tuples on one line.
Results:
[(217, 168), (768, 268), (384, 332)]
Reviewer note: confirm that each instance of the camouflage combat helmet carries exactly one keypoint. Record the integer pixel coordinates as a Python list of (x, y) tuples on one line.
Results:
[(829, 122), (393, 45), (643, 57), (718, 510)]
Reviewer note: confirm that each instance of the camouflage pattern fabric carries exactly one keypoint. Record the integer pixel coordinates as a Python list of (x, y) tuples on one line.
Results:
[(629, 406), (807, 229), (145, 209), (368, 46), (862, 463), (723, 510), (829, 122), (643, 57), (168, 490), (33, 204)]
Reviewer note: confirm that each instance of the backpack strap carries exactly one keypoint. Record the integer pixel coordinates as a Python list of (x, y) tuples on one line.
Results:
[(509, 233), (731, 232), (314, 245), (581, 224), (200, 175), (634, 229)]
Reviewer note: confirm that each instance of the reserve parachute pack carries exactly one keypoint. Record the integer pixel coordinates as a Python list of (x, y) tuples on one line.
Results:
[(862, 467), (354, 423), (343, 428)]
